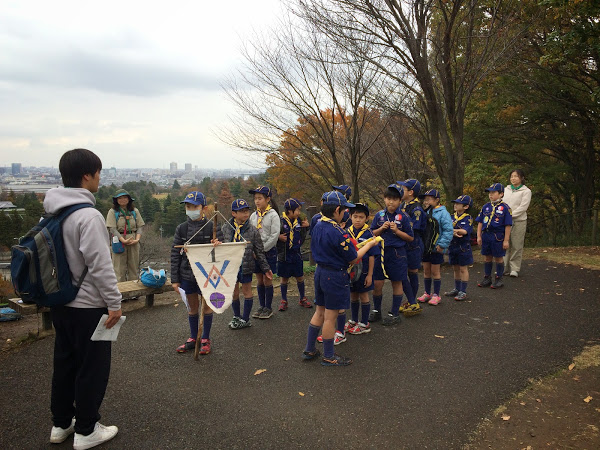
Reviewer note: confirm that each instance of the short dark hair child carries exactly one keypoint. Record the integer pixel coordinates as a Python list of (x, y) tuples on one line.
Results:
[(460, 255), (76, 163), (493, 234)]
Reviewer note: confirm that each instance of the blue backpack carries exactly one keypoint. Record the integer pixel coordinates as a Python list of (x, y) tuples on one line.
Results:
[(39, 269)]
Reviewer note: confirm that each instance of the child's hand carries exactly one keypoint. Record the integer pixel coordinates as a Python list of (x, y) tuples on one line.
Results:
[(385, 225), (368, 280), (393, 226), (505, 245), (269, 275), (439, 249), (305, 223), (215, 242), (456, 234), (479, 240), (176, 287), (283, 237)]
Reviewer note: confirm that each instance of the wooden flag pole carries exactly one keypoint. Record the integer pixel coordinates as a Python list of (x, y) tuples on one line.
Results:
[(202, 300)]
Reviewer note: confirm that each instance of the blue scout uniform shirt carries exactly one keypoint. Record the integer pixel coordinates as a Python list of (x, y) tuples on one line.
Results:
[(361, 236), (314, 221), (391, 239), (462, 222), (292, 252), (495, 217), (418, 220), (346, 221), (330, 245)]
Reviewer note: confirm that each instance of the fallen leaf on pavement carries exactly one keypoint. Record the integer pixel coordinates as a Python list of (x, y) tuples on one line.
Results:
[(287, 359), (176, 305), (581, 289), (432, 360), (576, 378), (522, 403), (259, 371), (538, 400), (588, 399), (441, 337), (505, 417), (301, 394), (571, 366)]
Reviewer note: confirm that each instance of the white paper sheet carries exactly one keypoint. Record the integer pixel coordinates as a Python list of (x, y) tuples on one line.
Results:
[(105, 334), (184, 298)]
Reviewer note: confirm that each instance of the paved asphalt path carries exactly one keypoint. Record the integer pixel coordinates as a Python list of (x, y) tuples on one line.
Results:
[(426, 383)]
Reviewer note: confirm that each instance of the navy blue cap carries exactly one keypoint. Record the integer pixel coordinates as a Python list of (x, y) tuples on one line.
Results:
[(495, 187), (344, 189), (397, 186), (431, 193), (265, 190), (292, 203), (464, 200), (412, 185), (195, 198), (336, 198), (239, 204), (360, 207)]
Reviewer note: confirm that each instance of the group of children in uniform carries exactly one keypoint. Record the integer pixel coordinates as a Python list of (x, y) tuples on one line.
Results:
[(403, 237)]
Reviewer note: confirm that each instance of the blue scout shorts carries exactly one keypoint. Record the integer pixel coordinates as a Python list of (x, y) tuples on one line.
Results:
[(359, 285), (395, 263), (414, 254), (460, 255), (271, 259), (332, 288), (241, 278), (433, 258), (491, 244), (288, 269), (190, 287)]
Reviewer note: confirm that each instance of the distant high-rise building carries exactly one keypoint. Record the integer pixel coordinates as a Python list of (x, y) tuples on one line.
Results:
[(16, 168), (188, 167), (173, 167)]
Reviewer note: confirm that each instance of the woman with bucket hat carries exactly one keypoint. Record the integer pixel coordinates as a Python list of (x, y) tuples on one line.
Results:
[(125, 224)]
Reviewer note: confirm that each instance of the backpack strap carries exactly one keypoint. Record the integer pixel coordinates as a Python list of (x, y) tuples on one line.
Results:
[(66, 212)]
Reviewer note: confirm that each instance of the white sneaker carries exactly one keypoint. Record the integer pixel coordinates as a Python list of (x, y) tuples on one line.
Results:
[(514, 274), (58, 434), (100, 435)]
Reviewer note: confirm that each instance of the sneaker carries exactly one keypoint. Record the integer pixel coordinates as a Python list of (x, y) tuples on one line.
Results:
[(486, 282), (311, 355), (348, 325), (360, 328), (239, 324), (403, 307), (58, 434), (190, 344), (412, 310), (100, 435), (460, 296), (266, 313), (305, 303), (256, 314), (374, 316), (497, 283), (435, 300), (283, 305), (336, 360), (339, 338), (234, 322), (424, 298), (451, 293), (320, 339), (205, 346), (514, 274), (391, 320)]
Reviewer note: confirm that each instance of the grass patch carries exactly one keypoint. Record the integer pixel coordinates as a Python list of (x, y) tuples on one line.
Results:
[(589, 357), (588, 257)]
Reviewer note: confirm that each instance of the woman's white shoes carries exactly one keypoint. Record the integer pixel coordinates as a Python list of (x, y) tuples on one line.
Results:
[(100, 435), (514, 274)]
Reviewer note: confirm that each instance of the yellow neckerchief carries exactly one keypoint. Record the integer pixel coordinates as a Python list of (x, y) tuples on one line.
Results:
[(261, 215), (237, 236), (360, 233), (494, 205), (332, 222), (458, 219), (414, 200), (291, 225)]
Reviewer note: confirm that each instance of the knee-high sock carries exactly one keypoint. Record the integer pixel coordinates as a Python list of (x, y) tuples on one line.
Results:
[(235, 305), (207, 325), (396, 302), (248, 302), (463, 286), (437, 284), (193, 319), (365, 310), (354, 307), (410, 296), (487, 268), (414, 282), (269, 296), (328, 348), (377, 299), (311, 337), (301, 289), (457, 284), (261, 294), (284, 291), (499, 269), (341, 321), (427, 283)]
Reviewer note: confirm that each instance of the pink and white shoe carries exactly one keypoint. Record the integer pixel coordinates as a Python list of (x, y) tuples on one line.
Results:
[(424, 298), (435, 299)]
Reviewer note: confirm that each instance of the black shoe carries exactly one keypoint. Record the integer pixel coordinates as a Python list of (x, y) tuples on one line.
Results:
[(336, 360), (451, 293), (311, 355), (497, 283), (374, 316), (486, 282), (391, 320)]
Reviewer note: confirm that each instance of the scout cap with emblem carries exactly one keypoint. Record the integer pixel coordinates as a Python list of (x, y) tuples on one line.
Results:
[(239, 204), (121, 193), (412, 185), (344, 189), (292, 203), (497, 187), (397, 187), (360, 207), (264, 190), (336, 198), (464, 200), (195, 198), (431, 193)]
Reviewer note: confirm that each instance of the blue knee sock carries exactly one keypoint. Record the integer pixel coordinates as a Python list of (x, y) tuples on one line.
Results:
[(499, 269), (365, 310), (327, 348), (193, 319), (261, 294), (248, 302), (341, 321), (463, 286), (396, 302), (427, 283), (311, 337), (437, 284), (269, 296), (487, 268), (377, 299), (414, 282), (410, 296), (284, 291), (207, 326), (457, 284), (235, 305), (301, 289), (354, 306)]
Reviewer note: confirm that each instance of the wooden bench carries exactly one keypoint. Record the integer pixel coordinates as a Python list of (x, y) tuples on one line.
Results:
[(128, 289)]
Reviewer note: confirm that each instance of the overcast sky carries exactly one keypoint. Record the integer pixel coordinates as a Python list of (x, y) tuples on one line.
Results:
[(137, 84)]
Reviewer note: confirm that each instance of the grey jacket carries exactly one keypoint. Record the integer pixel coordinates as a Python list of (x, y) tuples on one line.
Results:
[(254, 248), (271, 227)]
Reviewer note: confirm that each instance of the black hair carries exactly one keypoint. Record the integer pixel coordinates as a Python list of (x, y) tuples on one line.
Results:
[(288, 210), (76, 163), (519, 173), (328, 210), (116, 205), (391, 193)]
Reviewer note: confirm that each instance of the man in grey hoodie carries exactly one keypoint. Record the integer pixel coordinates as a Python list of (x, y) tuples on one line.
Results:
[(82, 366)]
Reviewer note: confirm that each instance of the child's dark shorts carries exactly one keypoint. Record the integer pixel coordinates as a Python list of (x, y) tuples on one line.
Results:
[(414, 254), (190, 287), (491, 244), (460, 255), (287, 269), (271, 259), (244, 278), (359, 285), (433, 257), (395, 263), (332, 288)]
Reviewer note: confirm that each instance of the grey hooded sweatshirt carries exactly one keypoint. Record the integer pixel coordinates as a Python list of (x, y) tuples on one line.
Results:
[(86, 244)]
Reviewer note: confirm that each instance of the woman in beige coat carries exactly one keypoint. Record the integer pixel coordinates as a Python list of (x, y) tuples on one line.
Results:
[(518, 197)]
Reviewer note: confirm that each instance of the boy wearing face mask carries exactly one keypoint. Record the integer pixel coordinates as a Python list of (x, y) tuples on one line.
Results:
[(181, 271)]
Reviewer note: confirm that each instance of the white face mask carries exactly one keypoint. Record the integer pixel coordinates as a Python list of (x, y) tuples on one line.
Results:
[(193, 214)]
